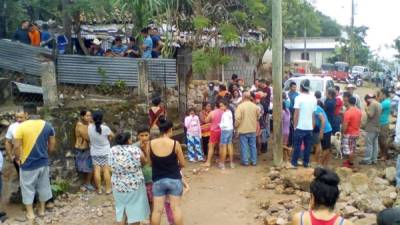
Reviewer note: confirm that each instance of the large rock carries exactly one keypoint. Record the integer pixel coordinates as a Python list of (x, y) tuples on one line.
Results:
[(390, 174), (359, 182), (369, 220), (369, 202), (300, 178), (344, 173)]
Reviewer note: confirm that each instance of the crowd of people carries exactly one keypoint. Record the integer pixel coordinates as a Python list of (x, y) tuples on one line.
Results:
[(148, 46), (146, 178)]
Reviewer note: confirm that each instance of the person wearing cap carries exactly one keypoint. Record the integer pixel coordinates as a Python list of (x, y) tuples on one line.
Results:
[(118, 49), (305, 105), (372, 127), (95, 49), (211, 94), (351, 88), (389, 216)]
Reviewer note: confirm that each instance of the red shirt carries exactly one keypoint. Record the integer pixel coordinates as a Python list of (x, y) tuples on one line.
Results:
[(339, 106), (352, 117)]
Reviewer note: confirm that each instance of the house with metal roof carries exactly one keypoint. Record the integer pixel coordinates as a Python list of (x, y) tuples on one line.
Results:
[(315, 49)]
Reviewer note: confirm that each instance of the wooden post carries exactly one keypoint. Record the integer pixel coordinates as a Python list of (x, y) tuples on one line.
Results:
[(49, 83), (143, 86), (277, 79)]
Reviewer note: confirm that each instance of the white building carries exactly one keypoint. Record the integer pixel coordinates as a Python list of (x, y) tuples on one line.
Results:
[(319, 49)]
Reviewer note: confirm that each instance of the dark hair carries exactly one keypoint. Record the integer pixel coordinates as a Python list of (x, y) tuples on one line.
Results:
[(156, 101), (332, 93), (385, 92), (222, 87), (204, 104), (263, 81), (347, 94), (292, 84), (118, 38), (318, 94), (325, 188), (337, 88), (83, 112), (225, 102), (23, 21), (389, 216), (234, 76), (132, 38), (145, 30), (190, 110), (352, 100), (45, 26), (108, 50), (143, 129), (165, 125), (320, 103), (98, 120), (122, 138), (30, 108)]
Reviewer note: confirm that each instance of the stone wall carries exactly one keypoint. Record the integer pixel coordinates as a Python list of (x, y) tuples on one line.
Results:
[(119, 116), (196, 93)]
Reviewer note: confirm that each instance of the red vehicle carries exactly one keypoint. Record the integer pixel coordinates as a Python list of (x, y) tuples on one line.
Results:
[(327, 69), (341, 72)]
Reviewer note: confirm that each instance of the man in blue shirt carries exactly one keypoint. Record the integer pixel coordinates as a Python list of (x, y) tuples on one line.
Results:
[(157, 43), (21, 34), (118, 49), (384, 121), (147, 45), (292, 96), (46, 37), (322, 136)]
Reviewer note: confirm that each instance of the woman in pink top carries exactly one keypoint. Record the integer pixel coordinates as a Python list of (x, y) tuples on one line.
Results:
[(193, 137), (215, 132)]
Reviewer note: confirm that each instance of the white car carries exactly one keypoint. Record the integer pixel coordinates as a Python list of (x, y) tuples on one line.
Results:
[(317, 83)]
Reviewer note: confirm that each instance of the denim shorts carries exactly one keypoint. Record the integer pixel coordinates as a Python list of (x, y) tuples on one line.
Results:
[(226, 137), (167, 186)]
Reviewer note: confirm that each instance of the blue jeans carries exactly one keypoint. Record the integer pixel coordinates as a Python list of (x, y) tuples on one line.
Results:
[(371, 147), (398, 171), (168, 186), (248, 144), (299, 137)]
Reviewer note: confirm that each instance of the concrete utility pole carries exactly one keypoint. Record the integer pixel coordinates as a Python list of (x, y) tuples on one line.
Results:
[(277, 78), (352, 35)]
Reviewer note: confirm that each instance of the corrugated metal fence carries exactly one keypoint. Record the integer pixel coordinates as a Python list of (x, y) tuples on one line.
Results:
[(21, 57), (93, 70), (87, 70)]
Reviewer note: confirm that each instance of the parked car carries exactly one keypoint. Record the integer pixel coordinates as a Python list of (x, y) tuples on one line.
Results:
[(363, 71), (317, 83)]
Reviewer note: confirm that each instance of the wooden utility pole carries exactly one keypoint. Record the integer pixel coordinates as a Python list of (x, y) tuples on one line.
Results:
[(277, 78)]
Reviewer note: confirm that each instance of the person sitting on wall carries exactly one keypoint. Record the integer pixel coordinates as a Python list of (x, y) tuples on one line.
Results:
[(118, 49)]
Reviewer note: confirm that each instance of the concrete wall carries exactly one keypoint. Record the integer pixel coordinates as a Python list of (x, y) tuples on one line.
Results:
[(317, 57)]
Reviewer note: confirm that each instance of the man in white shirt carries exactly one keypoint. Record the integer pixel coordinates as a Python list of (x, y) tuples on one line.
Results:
[(20, 116), (305, 105)]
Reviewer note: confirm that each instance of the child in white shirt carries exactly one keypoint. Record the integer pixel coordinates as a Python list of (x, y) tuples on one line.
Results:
[(226, 126)]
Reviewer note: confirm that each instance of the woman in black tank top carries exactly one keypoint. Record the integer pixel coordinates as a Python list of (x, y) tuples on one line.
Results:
[(167, 160)]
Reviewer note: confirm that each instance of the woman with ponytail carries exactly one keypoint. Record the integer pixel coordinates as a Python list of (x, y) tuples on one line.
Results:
[(324, 194), (100, 136)]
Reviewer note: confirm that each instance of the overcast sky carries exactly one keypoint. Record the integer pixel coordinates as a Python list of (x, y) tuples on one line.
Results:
[(381, 16)]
